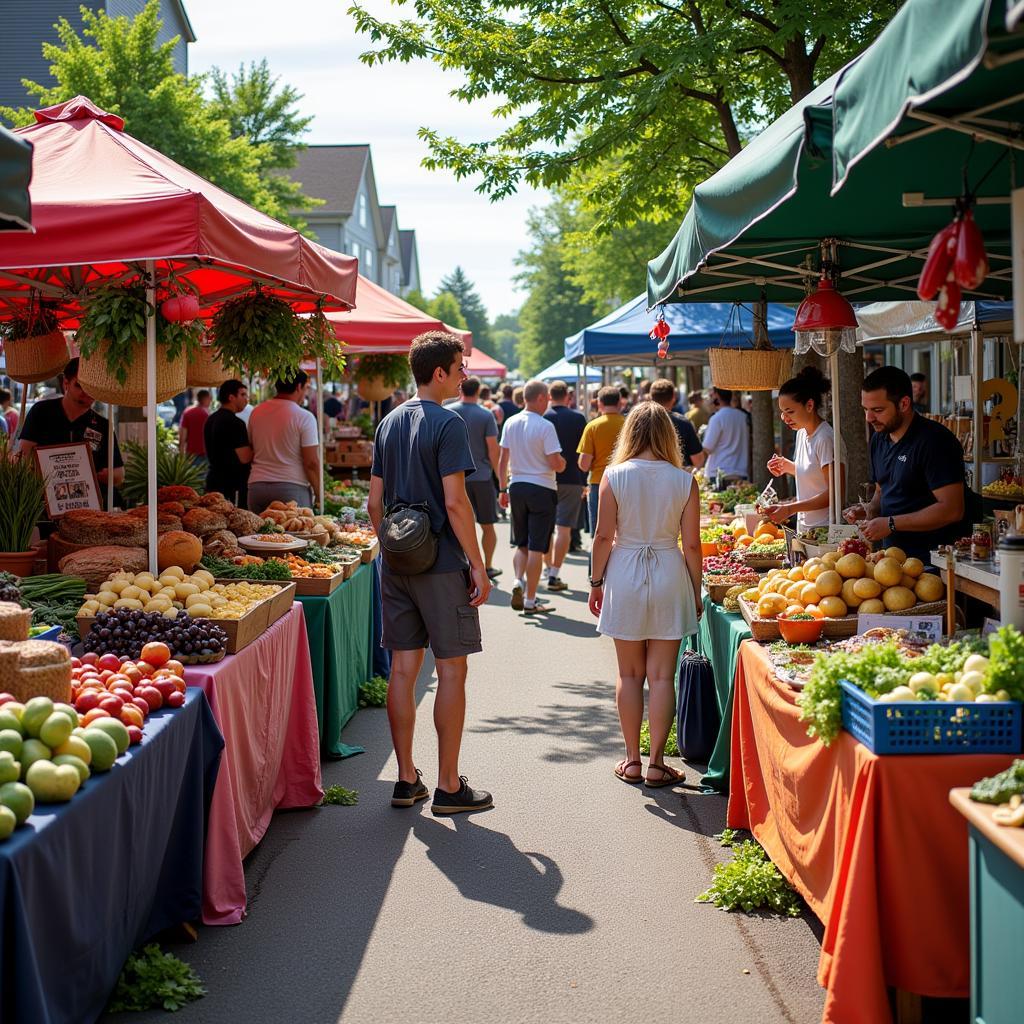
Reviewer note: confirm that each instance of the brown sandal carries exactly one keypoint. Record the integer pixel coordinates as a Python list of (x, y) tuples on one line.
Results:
[(669, 776), (623, 766)]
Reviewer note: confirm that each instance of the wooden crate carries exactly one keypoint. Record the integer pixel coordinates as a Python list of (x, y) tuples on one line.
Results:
[(314, 587), (370, 553), (717, 591)]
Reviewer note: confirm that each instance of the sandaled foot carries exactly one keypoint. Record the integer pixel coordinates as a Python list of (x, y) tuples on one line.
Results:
[(666, 776), (622, 771)]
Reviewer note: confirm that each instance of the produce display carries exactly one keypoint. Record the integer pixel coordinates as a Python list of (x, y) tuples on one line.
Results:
[(249, 568), (125, 632), (725, 500), (299, 568), (54, 599), (1009, 486), (838, 584), (959, 672), (1001, 788)]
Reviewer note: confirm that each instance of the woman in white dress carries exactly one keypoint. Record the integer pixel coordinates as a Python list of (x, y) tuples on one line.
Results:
[(646, 591), (814, 451)]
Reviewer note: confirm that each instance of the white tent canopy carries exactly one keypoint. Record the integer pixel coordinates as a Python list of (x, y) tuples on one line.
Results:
[(564, 370)]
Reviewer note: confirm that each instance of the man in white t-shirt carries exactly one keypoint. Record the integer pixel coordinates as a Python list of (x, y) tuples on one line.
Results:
[(727, 438), (530, 449), (286, 448)]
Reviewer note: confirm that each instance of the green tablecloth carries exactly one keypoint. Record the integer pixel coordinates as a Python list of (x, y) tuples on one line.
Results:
[(340, 631), (721, 634)]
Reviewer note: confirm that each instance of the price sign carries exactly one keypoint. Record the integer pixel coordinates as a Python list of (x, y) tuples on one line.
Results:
[(838, 532), (927, 625), (70, 477)]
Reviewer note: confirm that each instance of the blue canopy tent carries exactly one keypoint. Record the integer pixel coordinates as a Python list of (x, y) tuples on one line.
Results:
[(568, 371), (622, 338)]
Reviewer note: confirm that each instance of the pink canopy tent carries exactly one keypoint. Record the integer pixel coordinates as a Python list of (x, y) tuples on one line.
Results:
[(108, 208), (103, 204), (385, 323), (480, 364)]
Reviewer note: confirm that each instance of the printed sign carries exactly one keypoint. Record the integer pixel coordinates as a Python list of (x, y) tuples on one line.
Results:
[(70, 477), (838, 532), (927, 625)]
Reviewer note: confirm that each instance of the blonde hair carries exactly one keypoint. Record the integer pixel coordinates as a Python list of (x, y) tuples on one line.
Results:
[(648, 428)]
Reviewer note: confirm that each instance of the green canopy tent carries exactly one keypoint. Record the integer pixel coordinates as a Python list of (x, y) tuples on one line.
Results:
[(15, 173)]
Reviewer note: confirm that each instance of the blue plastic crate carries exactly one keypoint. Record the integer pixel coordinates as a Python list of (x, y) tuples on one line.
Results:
[(931, 727), (51, 634)]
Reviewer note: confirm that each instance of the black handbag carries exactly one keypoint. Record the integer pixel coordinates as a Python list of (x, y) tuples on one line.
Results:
[(697, 717), (407, 540)]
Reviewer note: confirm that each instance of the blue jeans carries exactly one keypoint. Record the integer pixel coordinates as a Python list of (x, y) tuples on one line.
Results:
[(592, 507)]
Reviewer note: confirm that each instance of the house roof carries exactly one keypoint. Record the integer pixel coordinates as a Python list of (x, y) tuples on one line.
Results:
[(407, 247), (331, 173), (190, 32), (387, 220)]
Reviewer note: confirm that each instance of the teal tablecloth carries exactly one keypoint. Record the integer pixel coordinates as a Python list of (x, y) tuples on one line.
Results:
[(721, 634), (340, 631)]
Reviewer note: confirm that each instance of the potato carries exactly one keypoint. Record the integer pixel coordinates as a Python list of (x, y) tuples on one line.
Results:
[(866, 589), (873, 606), (851, 566), (908, 581), (183, 590), (809, 594), (896, 553), (168, 581), (106, 598), (832, 607), (929, 588), (889, 572), (128, 602), (174, 570), (200, 611), (898, 599), (132, 591), (829, 584), (849, 594), (913, 567)]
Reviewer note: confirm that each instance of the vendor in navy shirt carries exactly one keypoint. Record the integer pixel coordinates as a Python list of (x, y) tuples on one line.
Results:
[(918, 469)]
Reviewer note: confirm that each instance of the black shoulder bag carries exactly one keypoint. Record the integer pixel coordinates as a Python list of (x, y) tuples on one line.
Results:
[(407, 541)]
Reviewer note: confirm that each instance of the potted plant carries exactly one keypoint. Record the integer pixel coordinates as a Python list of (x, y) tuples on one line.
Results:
[(112, 342), (260, 333), (34, 345), (22, 493), (323, 343), (376, 376)]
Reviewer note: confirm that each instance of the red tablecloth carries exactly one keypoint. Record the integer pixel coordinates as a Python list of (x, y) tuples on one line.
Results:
[(871, 843), (263, 701)]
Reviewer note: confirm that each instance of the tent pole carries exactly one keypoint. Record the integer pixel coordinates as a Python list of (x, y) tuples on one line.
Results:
[(836, 490), (319, 497), (977, 354), (111, 427), (151, 518)]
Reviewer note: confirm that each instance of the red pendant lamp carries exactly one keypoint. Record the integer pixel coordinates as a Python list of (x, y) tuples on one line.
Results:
[(825, 321)]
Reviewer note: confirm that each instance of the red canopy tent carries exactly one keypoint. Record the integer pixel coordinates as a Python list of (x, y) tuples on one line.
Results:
[(106, 207), (480, 364), (104, 203), (385, 323)]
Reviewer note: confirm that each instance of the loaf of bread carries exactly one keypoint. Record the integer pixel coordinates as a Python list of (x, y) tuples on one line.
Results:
[(202, 521), (95, 564), (89, 526), (177, 492), (242, 522)]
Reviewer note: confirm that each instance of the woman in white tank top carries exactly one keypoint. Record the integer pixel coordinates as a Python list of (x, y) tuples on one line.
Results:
[(646, 591)]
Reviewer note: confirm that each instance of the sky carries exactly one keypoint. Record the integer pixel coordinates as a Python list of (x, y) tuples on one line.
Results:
[(314, 47)]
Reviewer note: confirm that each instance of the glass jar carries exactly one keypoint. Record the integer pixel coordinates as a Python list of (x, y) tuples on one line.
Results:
[(981, 542)]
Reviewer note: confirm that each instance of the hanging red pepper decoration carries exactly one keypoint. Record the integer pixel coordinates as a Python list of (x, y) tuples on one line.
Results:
[(970, 265), (939, 262), (661, 331), (947, 312)]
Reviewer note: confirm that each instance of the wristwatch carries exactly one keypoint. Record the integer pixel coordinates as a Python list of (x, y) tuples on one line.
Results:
[(892, 525), (503, 490)]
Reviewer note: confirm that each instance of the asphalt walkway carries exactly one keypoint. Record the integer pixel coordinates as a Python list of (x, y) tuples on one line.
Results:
[(572, 900)]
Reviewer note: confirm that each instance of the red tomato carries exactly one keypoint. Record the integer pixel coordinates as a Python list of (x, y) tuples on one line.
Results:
[(131, 715), (105, 675), (176, 699), (112, 705), (119, 679), (166, 687), (76, 662), (90, 658), (179, 685), (110, 661), (156, 654), (176, 667), (152, 696), (86, 701), (141, 704), (133, 673), (144, 668), (91, 716), (134, 734)]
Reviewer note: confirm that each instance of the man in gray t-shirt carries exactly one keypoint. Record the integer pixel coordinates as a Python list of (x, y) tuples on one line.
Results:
[(483, 443)]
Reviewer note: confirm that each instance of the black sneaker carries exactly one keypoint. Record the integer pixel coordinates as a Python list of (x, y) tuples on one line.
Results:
[(466, 799), (408, 793), (494, 573), (554, 583)]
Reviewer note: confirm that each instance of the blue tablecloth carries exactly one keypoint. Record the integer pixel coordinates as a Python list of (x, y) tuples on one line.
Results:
[(84, 883)]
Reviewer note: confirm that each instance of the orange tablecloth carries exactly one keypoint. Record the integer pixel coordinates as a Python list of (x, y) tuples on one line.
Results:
[(871, 843)]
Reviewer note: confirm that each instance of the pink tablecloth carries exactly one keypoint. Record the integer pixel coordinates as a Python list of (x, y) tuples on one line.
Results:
[(263, 701)]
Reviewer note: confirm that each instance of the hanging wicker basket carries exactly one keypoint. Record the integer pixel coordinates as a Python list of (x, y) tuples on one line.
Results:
[(373, 389), (105, 387), (205, 369), (746, 369), (35, 359)]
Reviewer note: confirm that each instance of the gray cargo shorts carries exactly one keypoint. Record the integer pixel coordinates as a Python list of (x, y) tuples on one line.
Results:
[(430, 610), (570, 498)]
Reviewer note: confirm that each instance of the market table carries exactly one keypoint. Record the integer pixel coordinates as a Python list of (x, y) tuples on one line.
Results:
[(82, 884), (871, 843), (262, 699), (721, 634), (341, 648)]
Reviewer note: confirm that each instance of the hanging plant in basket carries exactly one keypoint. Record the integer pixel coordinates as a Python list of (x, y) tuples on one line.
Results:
[(112, 342), (260, 333), (759, 368), (377, 376), (34, 345), (321, 342)]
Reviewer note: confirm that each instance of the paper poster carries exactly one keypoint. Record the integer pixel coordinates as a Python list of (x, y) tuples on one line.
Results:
[(70, 477)]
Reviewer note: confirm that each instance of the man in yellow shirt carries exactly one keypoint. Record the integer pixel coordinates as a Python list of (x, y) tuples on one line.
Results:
[(598, 442)]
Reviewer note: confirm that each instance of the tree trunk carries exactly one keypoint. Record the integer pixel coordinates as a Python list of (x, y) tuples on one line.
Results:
[(851, 421), (763, 414)]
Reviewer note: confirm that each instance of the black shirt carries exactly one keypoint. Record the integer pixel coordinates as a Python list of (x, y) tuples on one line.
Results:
[(417, 445), (688, 440), (223, 432), (926, 457), (332, 407), (48, 423), (569, 425)]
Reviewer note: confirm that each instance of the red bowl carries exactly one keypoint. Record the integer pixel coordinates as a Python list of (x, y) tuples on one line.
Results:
[(801, 631)]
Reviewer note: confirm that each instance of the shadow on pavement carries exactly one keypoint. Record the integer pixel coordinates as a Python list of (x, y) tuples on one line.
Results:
[(487, 867)]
